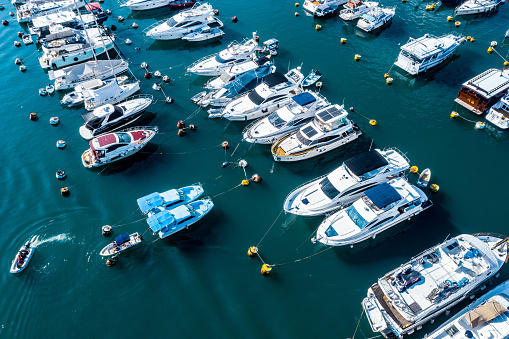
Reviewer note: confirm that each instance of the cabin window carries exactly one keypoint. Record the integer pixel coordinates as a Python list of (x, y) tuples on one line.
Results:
[(171, 22), (328, 188), (275, 120), (114, 147), (327, 138), (255, 97), (352, 212), (124, 137), (303, 139), (380, 222)]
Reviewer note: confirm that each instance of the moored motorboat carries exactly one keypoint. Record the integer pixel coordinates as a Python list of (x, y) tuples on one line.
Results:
[(111, 93), (111, 147), (346, 183), (171, 198), (353, 9), (27, 39), (311, 78), (31, 10), (182, 3), (432, 282), (121, 244), (77, 97), (270, 47), (143, 5), (168, 221), (330, 129), (419, 55), (379, 209), (476, 7), (22, 258), (109, 117), (299, 111), (204, 34), (498, 114), (313, 6), (375, 18)]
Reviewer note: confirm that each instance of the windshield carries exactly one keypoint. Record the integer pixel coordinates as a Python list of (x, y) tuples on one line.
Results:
[(355, 216), (255, 97), (171, 22), (94, 123), (303, 139), (328, 188), (124, 137), (221, 60), (225, 77), (276, 120)]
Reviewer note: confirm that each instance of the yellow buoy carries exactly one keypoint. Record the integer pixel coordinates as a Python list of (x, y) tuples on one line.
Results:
[(454, 115), (449, 18), (429, 7), (414, 169), (245, 182), (389, 81), (506, 63), (472, 39), (372, 122), (318, 27), (343, 41), (386, 75), (296, 13), (457, 24), (357, 57), (469, 37), (490, 50), (64, 191), (266, 269), (434, 188), (479, 125), (296, 4), (252, 251)]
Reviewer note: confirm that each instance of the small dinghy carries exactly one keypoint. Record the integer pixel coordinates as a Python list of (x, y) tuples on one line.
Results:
[(50, 89), (122, 243), (22, 258), (423, 180), (312, 78)]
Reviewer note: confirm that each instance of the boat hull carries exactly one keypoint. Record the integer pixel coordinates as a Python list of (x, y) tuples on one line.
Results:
[(14, 267), (146, 5)]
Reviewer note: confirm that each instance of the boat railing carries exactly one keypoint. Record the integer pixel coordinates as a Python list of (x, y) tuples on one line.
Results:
[(154, 129), (141, 96), (157, 23), (397, 150), (304, 184), (323, 98), (503, 238), (248, 127), (499, 86)]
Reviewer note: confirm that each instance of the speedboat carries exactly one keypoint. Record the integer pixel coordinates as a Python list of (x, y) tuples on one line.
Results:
[(187, 21), (311, 78), (346, 183), (76, 97), (71, 76), (71, 47), (486, 317), (241, 84), (110, 93), (182, 3), (121, 244), (205, 33), (171, 198), (235, 53), (432, 282), (379, 209), (375, 18), (168, 221), (231, 73), (31, 10), (143, 5), (275, 91), (498, 114), (22, 258), (298, 112), (355, 8), (419, 55), (109, 117), (476, 6), (329, 130), (111, 147), (312, 6)]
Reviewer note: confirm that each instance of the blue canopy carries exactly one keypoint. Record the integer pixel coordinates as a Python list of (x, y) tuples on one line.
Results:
[(150, 202), (383, 195), (247, 81), (304, 98), (160, 220), (122, 238)]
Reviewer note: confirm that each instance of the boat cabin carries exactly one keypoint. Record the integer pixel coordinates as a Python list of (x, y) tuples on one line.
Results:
[(366, 165), (483, 91), (167, 223), (331, 118), (156, 199)]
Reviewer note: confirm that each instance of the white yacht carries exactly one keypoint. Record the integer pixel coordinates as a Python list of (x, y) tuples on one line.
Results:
[(187, 21), (419, 55), (143, 5), (76, 97), (353, 9), (379, 209), (498, 114), (71, 76), (275, 91), (298, 112), (329, 130), (70, 47), (235, 53), (346, 183), (432, 282), (109, 117), (31, 10), (476, 6), (111, 93), (111, 147), (312, 5), (375, 18), (487, 317)]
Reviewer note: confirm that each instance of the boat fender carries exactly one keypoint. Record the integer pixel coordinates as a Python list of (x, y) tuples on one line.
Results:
[(266, 268), (139, 142)]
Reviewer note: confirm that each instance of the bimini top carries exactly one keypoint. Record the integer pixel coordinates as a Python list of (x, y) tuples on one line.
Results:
[(485, 313), (274, 79), (365, 162), (150, 202), (304, 98), (160, 220), (383, 195), (122, 238)]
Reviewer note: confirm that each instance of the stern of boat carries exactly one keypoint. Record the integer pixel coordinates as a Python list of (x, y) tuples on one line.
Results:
[(498, 244), (373, 313), (87, 159)]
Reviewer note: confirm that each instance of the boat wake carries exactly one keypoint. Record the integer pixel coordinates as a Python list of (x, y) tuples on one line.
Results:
[(36, 240)]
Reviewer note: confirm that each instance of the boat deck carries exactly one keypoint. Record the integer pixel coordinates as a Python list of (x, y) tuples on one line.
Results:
[(393, 313)]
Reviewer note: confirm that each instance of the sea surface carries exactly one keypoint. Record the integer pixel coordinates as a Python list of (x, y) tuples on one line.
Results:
[(200, 282)]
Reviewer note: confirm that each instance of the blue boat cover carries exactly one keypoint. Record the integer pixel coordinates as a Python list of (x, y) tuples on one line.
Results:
[(304, 98), (247, 81), (149, 202), (122, 238), (160, 220), (383, 195), (181, 213)]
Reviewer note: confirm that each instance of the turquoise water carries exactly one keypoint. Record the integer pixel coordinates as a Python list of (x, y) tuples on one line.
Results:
[(201, 282)]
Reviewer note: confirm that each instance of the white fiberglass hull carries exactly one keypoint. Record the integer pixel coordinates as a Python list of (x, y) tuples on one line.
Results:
[(49, 61), (125, 92), (202, 37), (62, 84), (143, 5), (475, 8), (368, 27), (254, 113), (497, 119)]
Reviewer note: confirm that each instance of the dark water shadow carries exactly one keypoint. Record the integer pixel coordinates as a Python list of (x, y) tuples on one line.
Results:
[(372, 35)]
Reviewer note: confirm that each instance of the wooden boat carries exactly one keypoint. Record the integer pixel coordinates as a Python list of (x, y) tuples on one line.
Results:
[(311, 78), (22, 258), (424, 178)]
